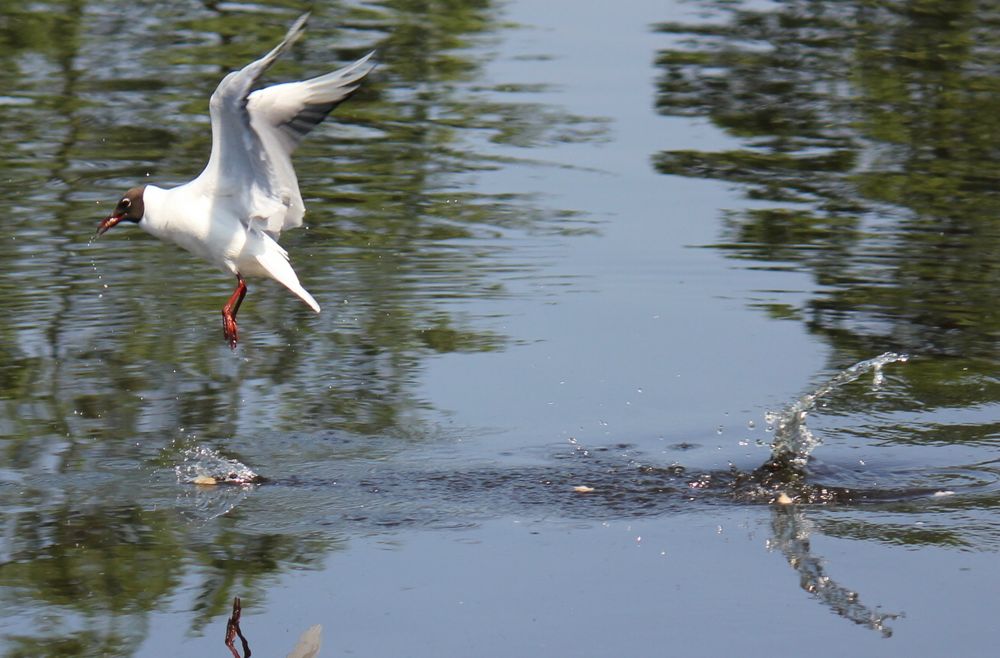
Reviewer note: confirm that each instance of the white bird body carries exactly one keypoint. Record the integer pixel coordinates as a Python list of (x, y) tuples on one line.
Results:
[(234, 211), (243, 249)]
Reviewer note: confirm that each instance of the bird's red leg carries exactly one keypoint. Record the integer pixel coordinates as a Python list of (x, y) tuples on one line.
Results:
[(230, 310)]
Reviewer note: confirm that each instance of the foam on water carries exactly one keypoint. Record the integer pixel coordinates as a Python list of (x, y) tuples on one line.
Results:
[(205, 466), (210, 471)]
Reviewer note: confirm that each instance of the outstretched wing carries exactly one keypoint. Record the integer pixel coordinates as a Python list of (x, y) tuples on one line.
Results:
[(283, 114), (254, 134)]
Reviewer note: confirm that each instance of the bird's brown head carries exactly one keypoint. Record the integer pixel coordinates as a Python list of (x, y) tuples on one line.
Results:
[(130, 208)]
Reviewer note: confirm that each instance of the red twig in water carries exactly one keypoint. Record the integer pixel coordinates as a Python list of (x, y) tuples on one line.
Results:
[(233, 629)]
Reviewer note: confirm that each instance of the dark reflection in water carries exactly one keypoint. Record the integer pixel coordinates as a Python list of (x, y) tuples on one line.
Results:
[(868, 135)]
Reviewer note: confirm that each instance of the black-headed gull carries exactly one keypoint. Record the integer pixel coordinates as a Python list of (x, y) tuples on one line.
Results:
[(233, 212)]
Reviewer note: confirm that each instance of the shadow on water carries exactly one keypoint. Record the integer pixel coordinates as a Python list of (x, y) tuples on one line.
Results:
[(593, 481)]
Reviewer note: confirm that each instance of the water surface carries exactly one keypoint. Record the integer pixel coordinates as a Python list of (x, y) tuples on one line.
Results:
[(582, 385)]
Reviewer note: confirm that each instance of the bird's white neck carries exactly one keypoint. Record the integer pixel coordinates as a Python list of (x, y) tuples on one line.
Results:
[(174, 213), (154, 218)]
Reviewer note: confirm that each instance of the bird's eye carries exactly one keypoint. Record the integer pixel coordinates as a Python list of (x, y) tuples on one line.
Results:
[(126, 202)]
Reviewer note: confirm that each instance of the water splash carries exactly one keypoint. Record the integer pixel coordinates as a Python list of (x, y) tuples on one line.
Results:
[(205, 466), (793, 441)]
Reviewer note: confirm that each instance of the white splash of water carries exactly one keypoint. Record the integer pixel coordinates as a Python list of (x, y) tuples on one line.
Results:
[(203, 465), (792, 438)]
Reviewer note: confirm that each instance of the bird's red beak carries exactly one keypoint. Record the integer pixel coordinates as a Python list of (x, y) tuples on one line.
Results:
[(109, 223)]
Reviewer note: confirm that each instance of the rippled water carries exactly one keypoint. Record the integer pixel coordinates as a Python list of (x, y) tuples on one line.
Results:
[(598, 366)]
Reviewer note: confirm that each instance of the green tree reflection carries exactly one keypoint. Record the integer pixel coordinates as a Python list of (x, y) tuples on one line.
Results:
[(110, 357), (868, 131)]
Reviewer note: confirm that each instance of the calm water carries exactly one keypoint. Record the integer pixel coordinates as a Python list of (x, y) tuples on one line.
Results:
[(581, 266)]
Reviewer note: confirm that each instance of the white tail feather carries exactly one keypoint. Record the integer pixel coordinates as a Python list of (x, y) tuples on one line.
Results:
[(274, 263), (304, 295)]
